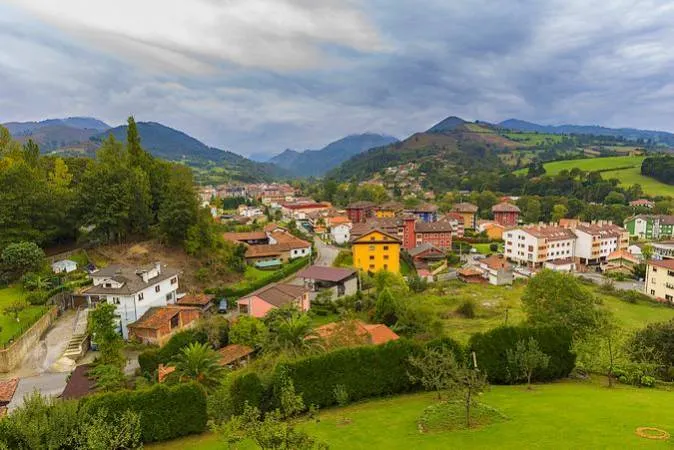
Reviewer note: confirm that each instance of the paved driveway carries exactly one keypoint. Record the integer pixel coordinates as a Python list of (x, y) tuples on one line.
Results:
[(598, 278), (326, 253)]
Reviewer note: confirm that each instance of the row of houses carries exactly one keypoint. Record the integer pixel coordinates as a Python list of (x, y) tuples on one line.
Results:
[(273, 245)]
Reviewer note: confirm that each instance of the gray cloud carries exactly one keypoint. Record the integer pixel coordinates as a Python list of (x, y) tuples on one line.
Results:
[(263, 75)]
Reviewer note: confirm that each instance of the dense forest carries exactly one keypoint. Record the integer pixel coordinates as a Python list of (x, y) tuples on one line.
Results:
[(123, 194), (659, 167)]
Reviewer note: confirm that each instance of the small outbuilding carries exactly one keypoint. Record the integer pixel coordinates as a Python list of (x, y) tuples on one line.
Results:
[(64, 266), (340, 281)]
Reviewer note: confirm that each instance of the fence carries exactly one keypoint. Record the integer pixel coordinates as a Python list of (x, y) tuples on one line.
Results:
[(14, 353)]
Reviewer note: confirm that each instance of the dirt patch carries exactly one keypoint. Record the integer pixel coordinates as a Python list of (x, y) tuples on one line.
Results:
[(147, 252), (652, 433)]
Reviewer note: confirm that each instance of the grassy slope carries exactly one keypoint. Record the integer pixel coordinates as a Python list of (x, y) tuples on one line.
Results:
[(10, 328), (533, 139), (561, 415), (649, 185)]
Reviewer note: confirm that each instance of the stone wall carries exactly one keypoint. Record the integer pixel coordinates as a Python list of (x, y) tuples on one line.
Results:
[(12, 356)]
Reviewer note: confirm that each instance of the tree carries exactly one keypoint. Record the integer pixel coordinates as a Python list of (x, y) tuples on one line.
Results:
[(386, 308), (614, 198), (250, 331), (179, 209), (525, 359), (553, 298), (15, 308), (22, 257), (108, 377), (653, 344), (559, 212), (104, 331), (532, 211), (294, 334), (435, 369), (647, 252), (198, 362)]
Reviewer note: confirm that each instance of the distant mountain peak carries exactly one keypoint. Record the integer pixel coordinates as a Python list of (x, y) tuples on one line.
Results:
[(447, 125)]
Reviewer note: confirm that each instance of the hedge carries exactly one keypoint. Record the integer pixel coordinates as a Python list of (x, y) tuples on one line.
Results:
[(149, 360), (367, 371), (491, 351), (247, 388), (165, 412)]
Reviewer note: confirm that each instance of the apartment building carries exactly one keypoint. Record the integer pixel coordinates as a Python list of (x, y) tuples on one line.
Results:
[(535, 245), (596, 241), (660, 280)]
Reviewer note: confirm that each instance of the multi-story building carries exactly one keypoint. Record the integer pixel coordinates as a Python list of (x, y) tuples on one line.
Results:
[(359, 212), (650, 226), (595, 241), (388, 210), (469, 213), (506, 214), (456, 220), (415, 233), (425, 213), (535, 245), (301, 211), (376, 250), (660, 280), (133, 291)]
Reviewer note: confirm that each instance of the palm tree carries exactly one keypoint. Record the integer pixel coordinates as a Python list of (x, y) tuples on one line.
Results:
[(295, 334), (198, 362)]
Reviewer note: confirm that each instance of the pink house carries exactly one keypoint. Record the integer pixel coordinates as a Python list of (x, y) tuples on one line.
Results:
[(260, 302)]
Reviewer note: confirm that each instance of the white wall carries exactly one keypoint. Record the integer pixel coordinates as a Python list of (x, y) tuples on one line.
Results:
[(340, 234)]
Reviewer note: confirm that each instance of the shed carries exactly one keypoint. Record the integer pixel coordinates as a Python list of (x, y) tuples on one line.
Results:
[(64, 266)]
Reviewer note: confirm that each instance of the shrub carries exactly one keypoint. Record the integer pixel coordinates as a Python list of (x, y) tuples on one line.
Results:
[(366, 371), (247, 388), (467, 309), (653, 344), (493, 248), (165, 412), (491, 349), (36, 298), (449, 344), (149, 360)]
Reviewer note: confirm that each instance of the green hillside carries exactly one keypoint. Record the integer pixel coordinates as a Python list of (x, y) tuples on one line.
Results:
[(627, 169)]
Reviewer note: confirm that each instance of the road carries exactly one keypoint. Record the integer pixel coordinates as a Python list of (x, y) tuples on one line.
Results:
[(598, 278), (326, 253)]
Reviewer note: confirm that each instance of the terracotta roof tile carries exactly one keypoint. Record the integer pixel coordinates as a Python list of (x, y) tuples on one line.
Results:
[(158, 316), (245, 236), (7, 389), (465, 208), (505, 207), (195, 300), (233, 352)]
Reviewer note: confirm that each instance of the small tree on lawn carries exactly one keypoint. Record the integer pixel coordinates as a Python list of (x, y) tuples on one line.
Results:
[(103, 328), (471, 382), (526, 358), (15, 308), (435, 370)]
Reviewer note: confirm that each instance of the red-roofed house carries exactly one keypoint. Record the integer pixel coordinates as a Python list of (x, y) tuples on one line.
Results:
[(260, 302), (158, 324), (374, 334), (7, 390), (506, 214), (235, 355), (339, 281)]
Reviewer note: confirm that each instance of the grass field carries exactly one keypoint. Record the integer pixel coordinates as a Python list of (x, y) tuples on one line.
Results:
[(627, 170), (9, 327), (564, 415), (534, 139)]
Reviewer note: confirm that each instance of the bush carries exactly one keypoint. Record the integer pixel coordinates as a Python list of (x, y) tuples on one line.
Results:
[(467, 309), (36, 298), (149, 360), (491, 349), (366, 371), (653, 344), (165, 412), (493, 248), (449, 344), (247, 388)]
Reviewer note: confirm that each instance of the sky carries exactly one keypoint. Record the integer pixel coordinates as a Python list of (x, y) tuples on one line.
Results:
[(259, 76)]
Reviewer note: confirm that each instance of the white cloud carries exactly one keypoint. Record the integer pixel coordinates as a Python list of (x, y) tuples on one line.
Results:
[(196, 35)]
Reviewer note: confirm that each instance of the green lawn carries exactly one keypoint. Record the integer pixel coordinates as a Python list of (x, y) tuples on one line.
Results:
[(484, 248), (632, 176), (564, 415), (534, 139), (9, 327)]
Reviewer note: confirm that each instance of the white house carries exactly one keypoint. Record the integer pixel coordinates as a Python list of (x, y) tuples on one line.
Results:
[(64, 266), (250, 211), (535, 245), (133, 291), (598, 240), (341, 234)]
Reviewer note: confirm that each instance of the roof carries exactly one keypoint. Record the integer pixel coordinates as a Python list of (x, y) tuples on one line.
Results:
[(560, 262), (375, 333), (665, 263), (323, 273), (453, 216), (130, 277), (277, 294), (390, 225), (7, 389), (423, 247), (157, 316), (664, 220), (441, 226), (622, 254), (601, 229), (550, 233), (465, 208), (233, 352), (271, 227), (641, 201), (425, 207), (305, 205), (289, 240), (391, 238), (469, 272), (505, 208), (64, 262), (361, 205), (391, 206), (245, 236), (338, 220), (195, 300), (258, 251), (496, 262), (569, 223), (79, 384)]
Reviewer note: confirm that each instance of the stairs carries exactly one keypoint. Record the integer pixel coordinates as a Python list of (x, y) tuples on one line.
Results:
[(79, 342)]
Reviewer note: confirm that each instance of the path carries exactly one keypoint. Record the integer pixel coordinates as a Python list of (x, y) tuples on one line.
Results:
[(326, 253), (598, 278)]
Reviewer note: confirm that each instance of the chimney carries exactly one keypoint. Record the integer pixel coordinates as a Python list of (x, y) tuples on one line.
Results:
[(157, 266)]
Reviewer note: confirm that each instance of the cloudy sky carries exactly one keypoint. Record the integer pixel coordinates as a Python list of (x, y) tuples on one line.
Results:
[(258, 76)]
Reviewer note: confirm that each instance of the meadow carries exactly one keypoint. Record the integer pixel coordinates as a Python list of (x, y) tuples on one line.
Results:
[(9, 327), (569, 414), (534, 139)]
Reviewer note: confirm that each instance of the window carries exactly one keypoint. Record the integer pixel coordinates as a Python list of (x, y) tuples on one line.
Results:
[(371, 248), (140, 296), (157, 288), (385, 257), (371, 257), (372, 238), (385, 266), (175, 321), (115, 300), (169, 297), (371, 266), (385, 247), (668, 298), (108, 285), (652, 292), (174, 280)]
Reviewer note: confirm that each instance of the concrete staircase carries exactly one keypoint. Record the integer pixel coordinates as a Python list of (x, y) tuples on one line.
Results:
[(79, 342)]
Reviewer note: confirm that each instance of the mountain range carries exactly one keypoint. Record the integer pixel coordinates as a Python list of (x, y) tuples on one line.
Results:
[(632, 134), (318, 162)]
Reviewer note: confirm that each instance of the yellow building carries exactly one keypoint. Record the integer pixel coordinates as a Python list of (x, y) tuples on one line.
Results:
[(494, 231), (388, 209), (469, 213), (660, 280), (375, 251)]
